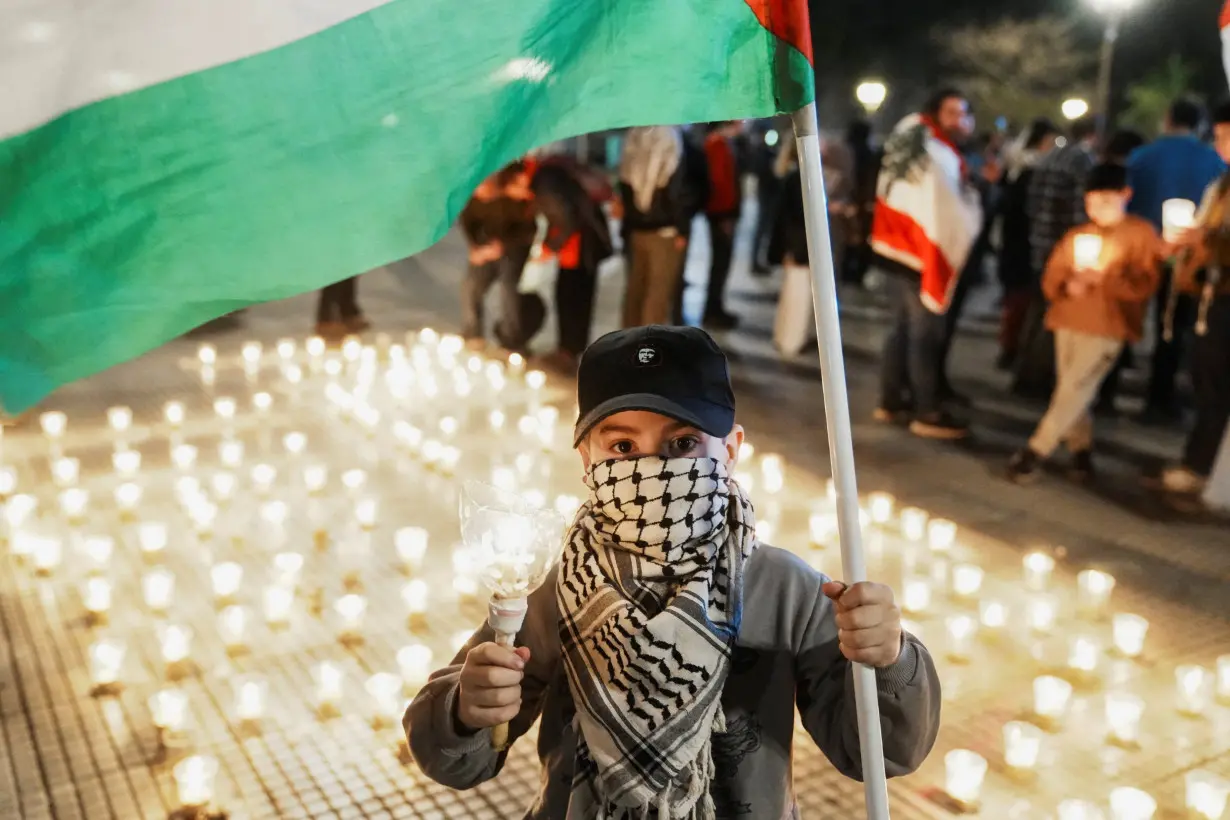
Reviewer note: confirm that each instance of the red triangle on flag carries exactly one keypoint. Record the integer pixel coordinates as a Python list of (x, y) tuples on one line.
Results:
[(788, 20)]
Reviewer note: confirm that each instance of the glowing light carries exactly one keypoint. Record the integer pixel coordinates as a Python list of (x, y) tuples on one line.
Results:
[(414, 661), (251, 354), (330, 684), (98, 550), (366, 512), (916, 595), (251, 694), (1094, 589), (226, 578), (128, 496), (384, 689), (535, 380), (992, 614), (65, 471), (1040, 613), (1074, 109), (194, 780), (168, 710), (964, 772), (152, 537), (1123, 714), (47, 553), (120, 419), (961, 629), (1206, 794), (1127, 803), (1083, 654), (295, 443), (183, 456), (157, 589), (1129, 634), (914, 523), (175, 643), (1022, 745), (96, 596), (230, 453), (941, 534), (1223, 678), (278, 601), (18, 510), (126, 462), (966, 580), (354, 480), (233, 626), (351, 611), (8, 478), (1051, 696), (106, 661), (871, 94), (73, 502), (286, 349), (1193, 689), (1038, 568), (414, 595), (173, 412), (287, 567), (224, 408), (1072, 809), (772, 470), (411, 545), (53, 424), (880, 507), (263, 476)]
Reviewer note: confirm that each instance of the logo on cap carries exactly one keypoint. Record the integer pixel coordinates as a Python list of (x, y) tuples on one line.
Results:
[(647, 356)]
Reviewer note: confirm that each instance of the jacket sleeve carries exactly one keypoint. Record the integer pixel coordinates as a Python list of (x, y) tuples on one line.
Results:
[(909, 697), (462, 760), (1141, 274), (1058, 270)]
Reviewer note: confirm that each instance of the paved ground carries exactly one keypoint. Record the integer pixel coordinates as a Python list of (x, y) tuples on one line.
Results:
[(65, 753)]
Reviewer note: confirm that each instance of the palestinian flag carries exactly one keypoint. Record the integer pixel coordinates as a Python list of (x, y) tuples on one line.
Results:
[(1224, 25), (165, 163)]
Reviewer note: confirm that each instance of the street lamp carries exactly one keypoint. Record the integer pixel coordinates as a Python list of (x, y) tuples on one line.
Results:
[(1114, 11), (1074, 108), (871, 95)]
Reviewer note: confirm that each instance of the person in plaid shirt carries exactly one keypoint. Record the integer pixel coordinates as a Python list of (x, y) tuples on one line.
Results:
[(1057, 191)]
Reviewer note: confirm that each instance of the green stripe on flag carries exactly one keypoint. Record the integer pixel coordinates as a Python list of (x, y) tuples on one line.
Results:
[(130, 221)]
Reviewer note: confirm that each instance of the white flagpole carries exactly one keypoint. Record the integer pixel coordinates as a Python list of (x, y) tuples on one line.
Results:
[(841, 445)]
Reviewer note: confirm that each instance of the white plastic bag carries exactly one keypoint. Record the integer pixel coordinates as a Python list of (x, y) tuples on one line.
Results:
[(1217, 491), (794, 327)]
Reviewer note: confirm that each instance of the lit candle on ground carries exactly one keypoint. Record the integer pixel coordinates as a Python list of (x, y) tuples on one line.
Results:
[(1051, 696), (966, 580), (1223, 678), (495, 420), (1086, 251), (961, 630), (1040, 613), (73, 503), (106, 662), (226, 578), (203, 515), (295, 443), (414, 595), (992, 614), (263, 476), (1022, 745), (1094, 589), (287, 567), (1038, 568), (773, 473), (8, 476), (1123, 714), (286, 349), (916, 595), (173, 412), (53, 424), (126, 463), (47, 553), (411, 545), (351, 611), (535, 380), (230, 453), (277, 602), (365, 513), (98, 550), (261, 402), (1083, 654), (251, 354), (1129, 634), (183, 456), (251, 694), (65, 471), (207, 355), (175, 643), (1178, 215), (119, 419), (152, 537), (330, 685), (223, 485), (194, 781), (127, 498), (964, 772), (880, 506), (1206, 794), (233, 627), (1073, 809), (315, 477), (18, 509), (941, 534), (224, 408), (385, 691), (315, 347), (1193, 687), (914, 523), (158, 588), (168, 710), (96, 597), (414, 661), (354, 480), (1127, 803)]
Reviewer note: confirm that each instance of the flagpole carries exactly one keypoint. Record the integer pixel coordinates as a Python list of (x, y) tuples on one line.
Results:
[(841, 445)]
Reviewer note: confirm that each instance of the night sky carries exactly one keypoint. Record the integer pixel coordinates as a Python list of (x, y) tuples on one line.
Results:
[(890, 38)]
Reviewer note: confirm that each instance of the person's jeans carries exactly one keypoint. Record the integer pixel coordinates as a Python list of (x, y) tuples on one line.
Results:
[(1210, 365), (910, 370), (1168, 355), (1082, 361), (338, 302), (655, 269), (722, 237), (574, 307), (478, 280)]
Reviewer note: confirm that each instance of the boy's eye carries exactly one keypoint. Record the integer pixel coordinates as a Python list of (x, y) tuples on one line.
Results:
[(684, 445), (622, 447)]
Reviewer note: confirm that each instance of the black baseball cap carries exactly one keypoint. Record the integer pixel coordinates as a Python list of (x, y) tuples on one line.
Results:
[(679, 372)]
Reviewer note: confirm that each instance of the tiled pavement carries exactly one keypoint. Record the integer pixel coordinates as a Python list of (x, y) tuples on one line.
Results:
[(64, 753)]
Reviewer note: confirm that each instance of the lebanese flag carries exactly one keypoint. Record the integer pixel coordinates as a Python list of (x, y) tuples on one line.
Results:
[(165, 163), (928, 220)]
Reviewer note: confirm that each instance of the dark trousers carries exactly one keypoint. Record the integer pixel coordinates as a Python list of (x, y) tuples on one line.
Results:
[(768, 196), (574, 306), (1210, 366), (722, 236), (339, 301), (1168, 355), (910, 370), (506, 271), (1012, 319)]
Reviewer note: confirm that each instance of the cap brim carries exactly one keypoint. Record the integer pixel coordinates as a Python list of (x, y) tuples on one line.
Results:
[(703, 415)]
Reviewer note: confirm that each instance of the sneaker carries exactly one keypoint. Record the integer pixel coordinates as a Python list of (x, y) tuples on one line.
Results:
[(891, 415), (1081, 470), (1025, 466), (331, 331), (939, 426), (357, 323), (1182, 481)]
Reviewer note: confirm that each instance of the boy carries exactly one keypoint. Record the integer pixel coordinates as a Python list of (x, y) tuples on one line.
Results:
[(1097, 306), (667, 651)]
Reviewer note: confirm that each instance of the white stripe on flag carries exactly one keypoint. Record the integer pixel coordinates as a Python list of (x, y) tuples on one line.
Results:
[(57, 55)]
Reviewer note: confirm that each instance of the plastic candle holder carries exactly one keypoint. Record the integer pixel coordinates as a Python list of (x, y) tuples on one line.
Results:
[(96, 597), (941, 534), (411, 545), (226, 578), (53, 424), (251, 697), (168, 710), (98, 550), (277, 603), (233, 627), (106, 662), (152, 537), (964, 772), (173, 413), (65, 472), (1083, 655), (966, 580), (1127, 803), (414, 661), (1051, 697), (330, 685), (1206, 794), (1223, 678), (992, 614), (126, 463), (175, 643), (194, 781), (351, 611), (1128, 633), (47, 552), (1022, 745), (1193, 689), (1123, 714), (1040, 613), (916, 595), (158, 589), (1038, 567), (961, 630), (230, 453), (1075, 809), (1093, 591), (385, 692)]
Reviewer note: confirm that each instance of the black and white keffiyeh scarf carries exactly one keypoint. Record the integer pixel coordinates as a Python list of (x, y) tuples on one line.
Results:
[(650, 597)]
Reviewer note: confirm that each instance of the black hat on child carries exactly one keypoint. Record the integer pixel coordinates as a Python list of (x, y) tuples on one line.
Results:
[(679, 372)]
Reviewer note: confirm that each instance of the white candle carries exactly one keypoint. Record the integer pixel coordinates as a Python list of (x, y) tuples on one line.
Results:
[(1094, 589), (1178, 215), (98, 549), (1129, 634), (286, 349), (96, 596), (233, 626), (414, 661), (120, 419), (772, 471), (941, 534), (152, 536), (158, 589), (414, 595), (230, 453), (18, 509), (1206, 794), (354, 480), (126, 463), (1022, 745), (106, 661), (1083, 654), (65, 471), (169, 709), (966, 580), (127, 497), (251, 353), (277, 601), (411, 545), (351, 610), (914, 523), (1193, 687), (330, 683), (73, 503), (315, 477), (964, 772), (226, 578), (194, 780), (295, 443), (1223, 678), (261, 402), (992, 614), (365, 512), (1123, 714), (384, 689), (961, 630), (173, 412), (1073, 809), (1127, 803), (8, 475), (1086, 251), (263, 476), (1051, 696), (53, 424), (251, 694), (1040, 613), (223, 485), (916, 595), (175, 642), (1038, 568)]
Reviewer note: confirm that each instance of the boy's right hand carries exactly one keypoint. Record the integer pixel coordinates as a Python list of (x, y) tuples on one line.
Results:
[(490, 690)]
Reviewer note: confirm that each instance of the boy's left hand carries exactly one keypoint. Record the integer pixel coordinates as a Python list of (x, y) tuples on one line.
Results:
[(868, 622)]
